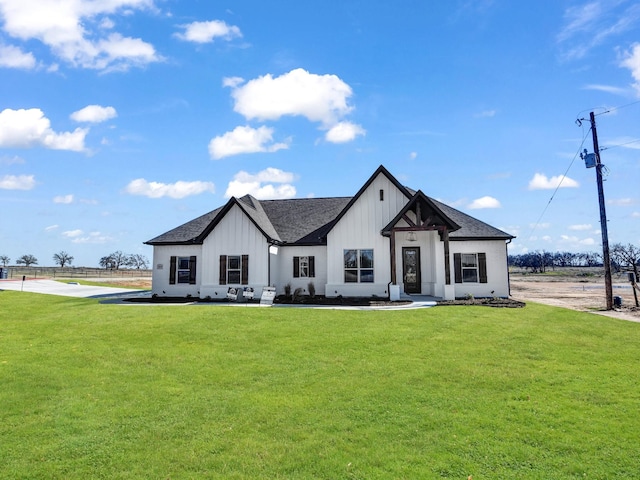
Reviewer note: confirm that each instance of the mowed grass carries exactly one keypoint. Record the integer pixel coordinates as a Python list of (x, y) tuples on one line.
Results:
[(89, 390)]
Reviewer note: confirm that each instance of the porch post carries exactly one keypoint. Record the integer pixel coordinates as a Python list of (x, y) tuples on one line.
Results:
[(392, 248), (447, 265)]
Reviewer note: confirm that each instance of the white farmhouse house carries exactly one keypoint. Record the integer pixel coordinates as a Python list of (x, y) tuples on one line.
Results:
[(386, 241)]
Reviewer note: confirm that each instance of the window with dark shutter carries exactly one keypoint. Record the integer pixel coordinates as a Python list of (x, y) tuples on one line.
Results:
[(296, 267), (457, 262), (192, 270), (223, 270), (482, 267), (470, 267), (312, 266), (172, 271), (245, 269), (304, 267)]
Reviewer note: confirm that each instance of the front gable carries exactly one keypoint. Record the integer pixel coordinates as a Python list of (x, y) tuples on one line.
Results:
[(376, 203), (421, 214)]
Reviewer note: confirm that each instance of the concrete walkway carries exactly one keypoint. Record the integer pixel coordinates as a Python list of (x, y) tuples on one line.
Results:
[(68, 289)]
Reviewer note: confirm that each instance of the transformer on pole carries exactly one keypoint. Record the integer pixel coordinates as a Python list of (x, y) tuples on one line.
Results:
[(593, 160)]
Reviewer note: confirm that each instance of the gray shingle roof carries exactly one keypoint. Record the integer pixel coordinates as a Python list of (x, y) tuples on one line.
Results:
[(306, 221), (470, 227), (186, 233)]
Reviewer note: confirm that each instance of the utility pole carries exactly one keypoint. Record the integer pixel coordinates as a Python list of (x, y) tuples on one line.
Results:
[(603, 216)]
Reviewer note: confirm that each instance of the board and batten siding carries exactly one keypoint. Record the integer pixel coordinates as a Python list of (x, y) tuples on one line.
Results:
[(236, 234), (161, 285), (360, 228)]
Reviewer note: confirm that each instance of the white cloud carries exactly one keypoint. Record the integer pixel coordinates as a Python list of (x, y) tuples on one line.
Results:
[(14, 57), (582, 227), (244, 139), (261, 186), (631, 61), (74, 31), (635, 215), (51, 228), (176, 190), (94, 114), (78, 236), (541, 182), (64, 199), (343, 132), (590, 24), (17, 182), (413, 155), (206, 32), (232, 82), (576, 241), (486, 114), (319, 98), (14, 160), (72, 233), (608, 89), (484, 202), (29, 128)]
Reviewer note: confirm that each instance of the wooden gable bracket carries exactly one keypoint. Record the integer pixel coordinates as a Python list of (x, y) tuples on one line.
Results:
[(408, 220)]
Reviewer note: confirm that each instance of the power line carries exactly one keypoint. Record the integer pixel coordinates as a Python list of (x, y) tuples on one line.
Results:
[(613, 109), (559, 183), (620, 144)]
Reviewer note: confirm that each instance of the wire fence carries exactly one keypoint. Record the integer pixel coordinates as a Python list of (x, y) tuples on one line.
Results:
[(19, 272)]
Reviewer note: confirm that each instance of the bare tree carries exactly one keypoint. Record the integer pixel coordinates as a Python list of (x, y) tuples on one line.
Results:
[(27, 260), (138, 261), (4, 259), (62, 258), (107, 262), (626, 256), (115, 260)]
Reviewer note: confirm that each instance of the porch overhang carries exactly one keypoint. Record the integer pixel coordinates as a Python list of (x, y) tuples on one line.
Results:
[(420, 214)]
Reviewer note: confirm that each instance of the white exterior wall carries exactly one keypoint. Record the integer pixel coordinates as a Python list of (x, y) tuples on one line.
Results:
[(161, 267), (497, 273), (360, 229), (282, 269), (234, 235)]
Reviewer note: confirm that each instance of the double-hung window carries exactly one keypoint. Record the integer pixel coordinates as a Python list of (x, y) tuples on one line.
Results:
[(182, 270), (234, 269), (470, 267), (358, 266), (304, 267)]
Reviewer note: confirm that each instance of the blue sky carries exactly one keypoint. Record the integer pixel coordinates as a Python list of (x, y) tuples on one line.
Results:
[(121, 119)]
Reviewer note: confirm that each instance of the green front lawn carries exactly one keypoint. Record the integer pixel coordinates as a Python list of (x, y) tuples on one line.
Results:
[(119, 391)]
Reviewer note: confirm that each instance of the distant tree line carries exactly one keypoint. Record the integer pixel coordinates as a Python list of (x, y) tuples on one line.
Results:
[(114, 261), (118, 259), (623, 258)]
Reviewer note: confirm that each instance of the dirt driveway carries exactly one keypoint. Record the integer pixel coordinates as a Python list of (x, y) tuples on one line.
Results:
[(586, 295)]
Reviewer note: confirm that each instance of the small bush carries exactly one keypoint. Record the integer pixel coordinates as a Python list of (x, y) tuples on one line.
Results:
[(312, 289), (287, 289)]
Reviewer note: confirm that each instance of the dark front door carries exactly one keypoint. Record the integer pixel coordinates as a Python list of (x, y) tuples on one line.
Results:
[(411, 269)]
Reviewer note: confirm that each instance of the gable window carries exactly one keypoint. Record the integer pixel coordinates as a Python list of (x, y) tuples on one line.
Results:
[(470, 267), (182, 270), (358, 266), (304, 267), (234, 269)]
